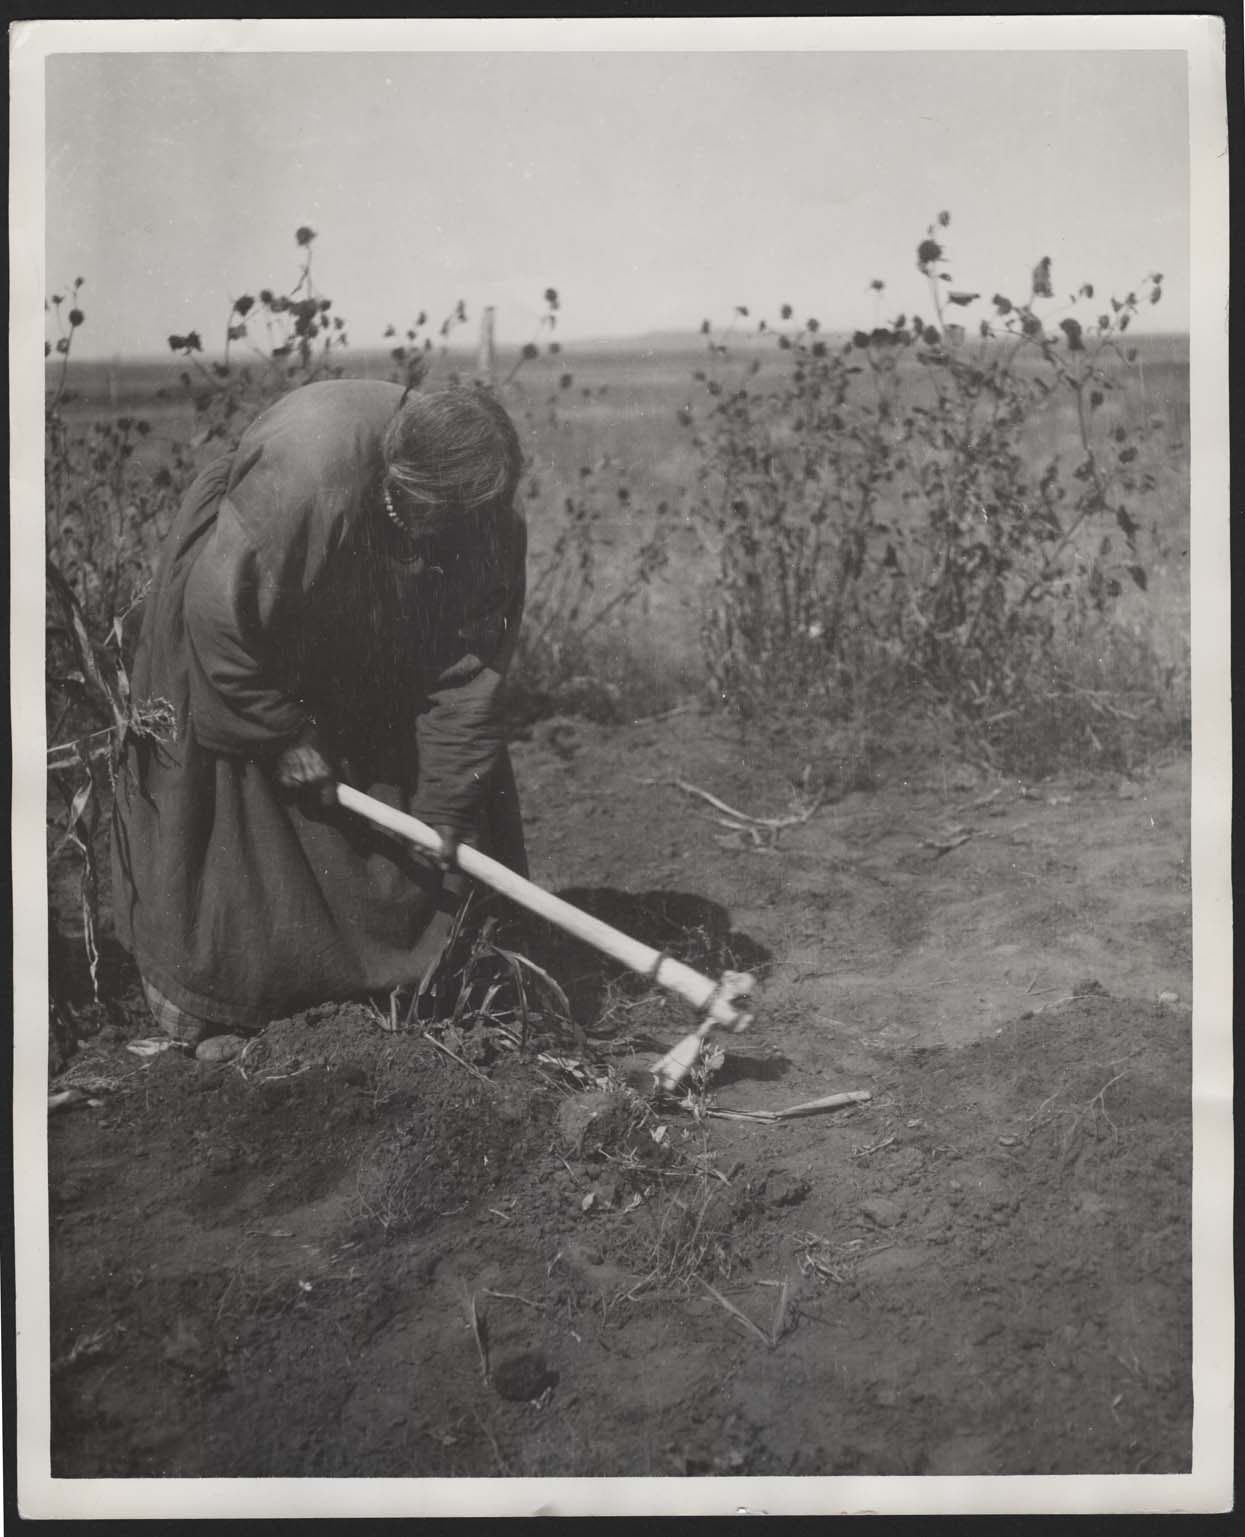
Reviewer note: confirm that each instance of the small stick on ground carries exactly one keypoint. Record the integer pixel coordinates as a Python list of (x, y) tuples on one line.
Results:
[(240, 1060), (982, 800), (1039, 1117), (780, 1313), (864, 1152), (809, 1107), (701, 1166), (514, 1297), (492, 1439), (653, 720), (1097, 1105), (297, 1073), (478, 1334), (742, 816), (737, 1313), (953, 840), (441, 1046), (1055, 1003), (639, 1286)]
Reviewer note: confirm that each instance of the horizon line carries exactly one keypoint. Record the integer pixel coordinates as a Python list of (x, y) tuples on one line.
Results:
[(621, 340)]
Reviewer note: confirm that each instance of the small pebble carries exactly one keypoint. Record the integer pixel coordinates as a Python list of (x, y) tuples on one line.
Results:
[(1008, 1141), (1169, 997), (881, 1212), (220, 1048), (783, 1189), (593, 1120)]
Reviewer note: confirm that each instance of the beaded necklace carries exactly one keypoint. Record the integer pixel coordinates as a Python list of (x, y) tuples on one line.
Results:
[(393, 516), (410, 540)]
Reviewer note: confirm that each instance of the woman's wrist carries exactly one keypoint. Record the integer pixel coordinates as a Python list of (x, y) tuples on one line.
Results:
[(308, 734)]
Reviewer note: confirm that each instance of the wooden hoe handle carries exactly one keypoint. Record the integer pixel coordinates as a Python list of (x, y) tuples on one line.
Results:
[(716, 1000)]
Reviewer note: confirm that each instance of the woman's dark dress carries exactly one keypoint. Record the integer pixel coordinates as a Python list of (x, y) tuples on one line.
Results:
[(283, 594)]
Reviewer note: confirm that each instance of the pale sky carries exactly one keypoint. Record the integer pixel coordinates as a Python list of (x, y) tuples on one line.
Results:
[(651, 189)]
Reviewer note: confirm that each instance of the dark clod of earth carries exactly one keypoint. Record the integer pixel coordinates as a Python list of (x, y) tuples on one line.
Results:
[(524, 1377)]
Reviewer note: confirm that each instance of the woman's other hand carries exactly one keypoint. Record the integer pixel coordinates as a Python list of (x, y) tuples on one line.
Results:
[(302, 766), (447, 856)]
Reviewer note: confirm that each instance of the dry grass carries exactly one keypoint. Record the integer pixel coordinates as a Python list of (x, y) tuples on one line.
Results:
[(387, 1183), (623, 412), (685, 1236)]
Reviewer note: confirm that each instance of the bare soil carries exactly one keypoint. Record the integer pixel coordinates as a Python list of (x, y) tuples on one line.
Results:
[(272, 1266)]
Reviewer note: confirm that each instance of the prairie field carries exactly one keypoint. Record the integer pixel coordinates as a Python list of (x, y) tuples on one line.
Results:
[(620, 412)]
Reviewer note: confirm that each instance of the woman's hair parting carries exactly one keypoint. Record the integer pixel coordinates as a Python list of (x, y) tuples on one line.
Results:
[(453, 447)]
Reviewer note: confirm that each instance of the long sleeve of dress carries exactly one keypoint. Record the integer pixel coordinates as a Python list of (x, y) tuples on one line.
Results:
[(235, 611), (460, 735), (293, 486)]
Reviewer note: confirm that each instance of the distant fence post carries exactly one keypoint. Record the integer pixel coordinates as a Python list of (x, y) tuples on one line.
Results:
[(486, 360)]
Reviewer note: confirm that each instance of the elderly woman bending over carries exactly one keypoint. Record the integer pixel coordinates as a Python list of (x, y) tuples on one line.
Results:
[(338, 599)]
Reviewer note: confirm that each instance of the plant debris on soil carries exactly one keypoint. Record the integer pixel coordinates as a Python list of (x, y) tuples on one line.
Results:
[(356, 1249)]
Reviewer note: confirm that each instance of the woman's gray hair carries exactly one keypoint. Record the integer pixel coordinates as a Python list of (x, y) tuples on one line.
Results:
[(454, 447)]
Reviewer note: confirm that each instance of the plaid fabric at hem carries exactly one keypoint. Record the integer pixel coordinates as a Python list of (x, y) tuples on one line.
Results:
[(177, 1022)]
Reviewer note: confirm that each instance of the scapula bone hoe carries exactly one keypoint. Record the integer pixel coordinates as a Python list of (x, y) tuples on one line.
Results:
[(717, 1001)]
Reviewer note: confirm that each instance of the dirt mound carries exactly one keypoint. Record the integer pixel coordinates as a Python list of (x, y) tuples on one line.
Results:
[(303, 1263)]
